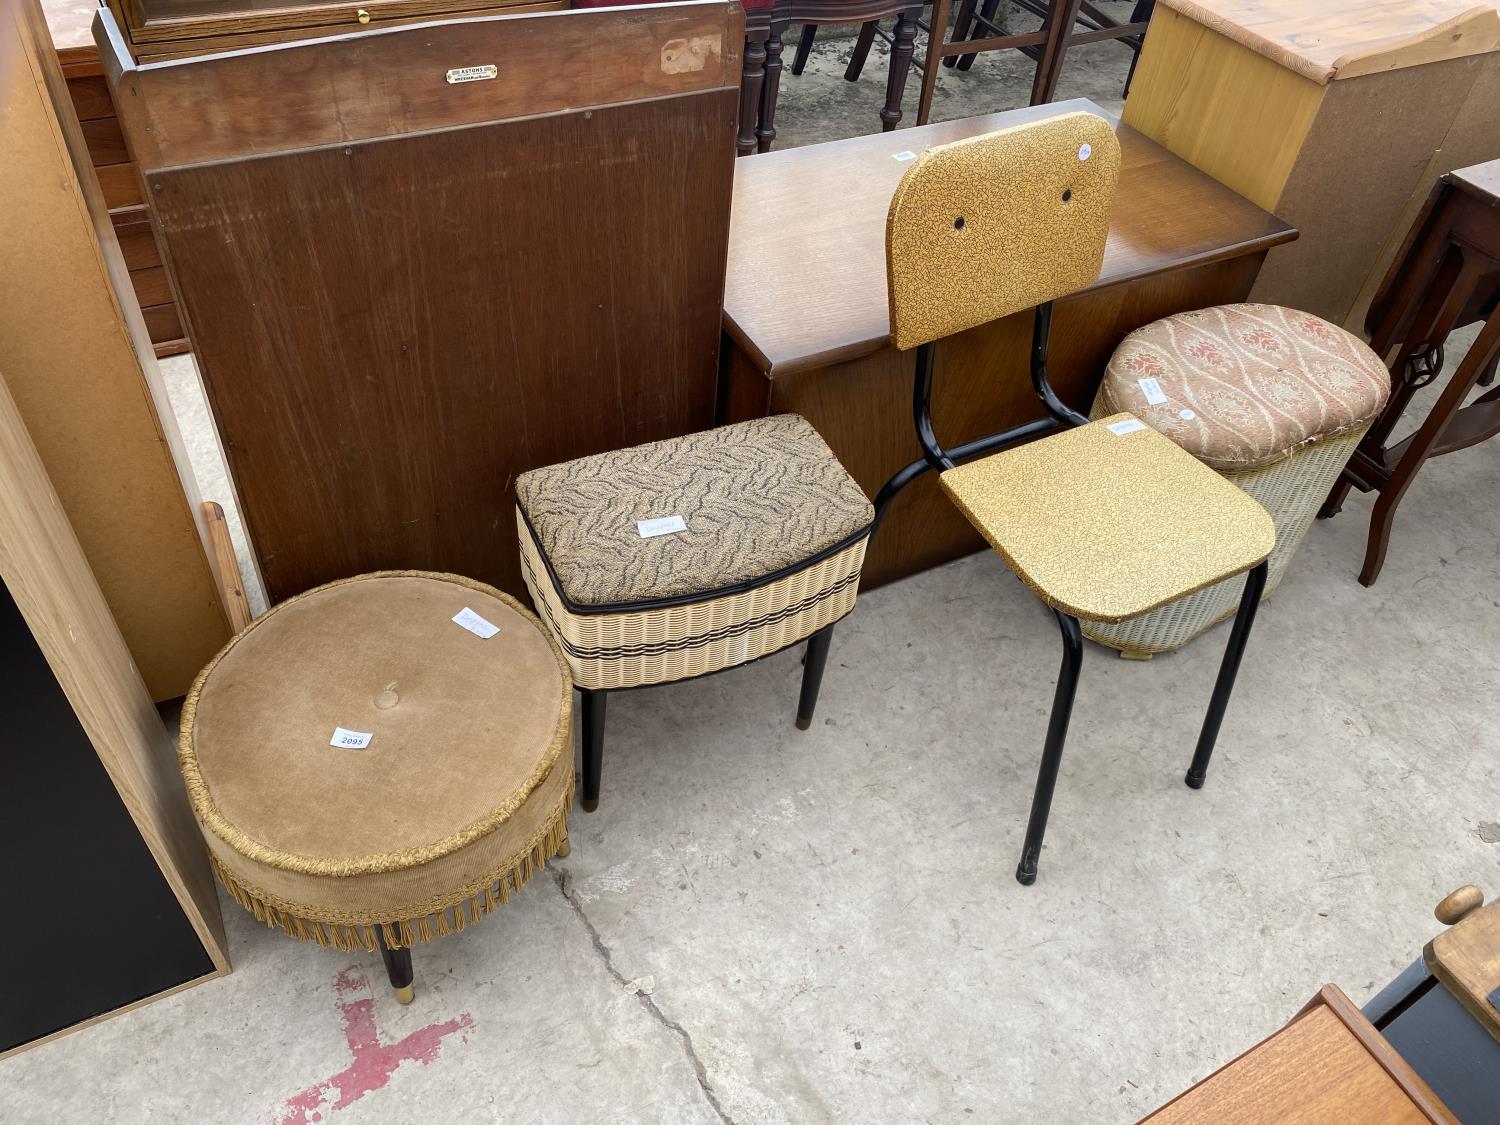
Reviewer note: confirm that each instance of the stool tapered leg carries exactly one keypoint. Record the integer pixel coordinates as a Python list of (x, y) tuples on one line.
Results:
[(813, 663), (397, 968), (804, 47), (1255, 585), (861, 50), (593, 745), (1057, 734)]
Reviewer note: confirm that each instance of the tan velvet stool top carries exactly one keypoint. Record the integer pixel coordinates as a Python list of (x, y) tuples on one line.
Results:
[(366, 769)]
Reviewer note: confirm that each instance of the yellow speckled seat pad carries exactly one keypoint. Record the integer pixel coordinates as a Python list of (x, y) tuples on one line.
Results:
[(1105, 526), (988, 226)]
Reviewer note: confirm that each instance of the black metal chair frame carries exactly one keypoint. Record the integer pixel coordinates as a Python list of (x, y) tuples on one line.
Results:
[(1059, 417)]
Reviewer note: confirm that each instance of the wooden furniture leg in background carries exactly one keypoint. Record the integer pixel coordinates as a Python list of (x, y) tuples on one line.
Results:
[(934, 57), (226, 566), (903, 44), (1442, 432), (765, 132), (1059, 27), (805, 44), (752, 82)]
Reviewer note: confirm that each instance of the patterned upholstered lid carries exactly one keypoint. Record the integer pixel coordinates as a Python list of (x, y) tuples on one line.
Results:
[(1245, 385), (755, 498)]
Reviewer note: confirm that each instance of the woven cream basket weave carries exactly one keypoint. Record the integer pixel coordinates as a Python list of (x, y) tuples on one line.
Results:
[(655, 646)]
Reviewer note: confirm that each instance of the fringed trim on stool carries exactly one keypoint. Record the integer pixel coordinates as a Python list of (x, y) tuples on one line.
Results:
[(423, 922)]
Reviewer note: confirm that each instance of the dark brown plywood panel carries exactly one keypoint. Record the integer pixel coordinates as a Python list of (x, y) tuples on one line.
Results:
[(390, 331)]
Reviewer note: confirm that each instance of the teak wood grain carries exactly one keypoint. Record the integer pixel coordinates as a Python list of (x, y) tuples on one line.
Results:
[(391, 81), (393, 327), (188, 45), (181, 23), (1329, 1064), (806, 283)]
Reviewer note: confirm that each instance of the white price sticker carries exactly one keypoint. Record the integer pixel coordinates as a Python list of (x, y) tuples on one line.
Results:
[(663, 525), (475, 624), (903, 156), (350, 739), (1152, 390), (1126, 426)]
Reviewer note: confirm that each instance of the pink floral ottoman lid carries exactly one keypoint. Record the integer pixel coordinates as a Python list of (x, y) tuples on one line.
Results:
[(1242, 386)]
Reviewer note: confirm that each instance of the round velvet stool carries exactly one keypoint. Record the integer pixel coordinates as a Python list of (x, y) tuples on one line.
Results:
[(382, 761), (1274, 399)]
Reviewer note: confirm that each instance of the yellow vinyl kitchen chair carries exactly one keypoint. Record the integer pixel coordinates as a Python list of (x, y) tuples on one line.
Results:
[(1103, 520)]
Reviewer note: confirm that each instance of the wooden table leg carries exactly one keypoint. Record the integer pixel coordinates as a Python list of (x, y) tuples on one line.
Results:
[(903, 40), (765, 133), (935, 38), (1484, 349), (1063, 14), (752, 79)]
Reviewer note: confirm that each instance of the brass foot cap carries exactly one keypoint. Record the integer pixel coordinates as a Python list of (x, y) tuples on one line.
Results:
[(564, 849), (1126, 654), (406, 994), (587, 805), (804, 724)]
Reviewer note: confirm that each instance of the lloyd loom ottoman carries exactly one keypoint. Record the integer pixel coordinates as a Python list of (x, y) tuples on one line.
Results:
[(1276, 400), (382, 760)]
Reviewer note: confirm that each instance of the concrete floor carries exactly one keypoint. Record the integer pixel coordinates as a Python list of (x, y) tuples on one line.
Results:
[(762, 925)]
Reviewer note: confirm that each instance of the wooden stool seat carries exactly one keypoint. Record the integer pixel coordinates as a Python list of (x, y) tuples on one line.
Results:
[(369, 772), (1111, 519)]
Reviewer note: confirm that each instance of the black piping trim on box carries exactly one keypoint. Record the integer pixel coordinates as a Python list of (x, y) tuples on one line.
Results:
[(700, 639), (683, 599)]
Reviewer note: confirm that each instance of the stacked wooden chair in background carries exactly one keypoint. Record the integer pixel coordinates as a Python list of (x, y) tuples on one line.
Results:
[(974, 30)]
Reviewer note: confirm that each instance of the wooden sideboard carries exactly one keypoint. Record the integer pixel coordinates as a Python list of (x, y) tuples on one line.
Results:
[(402, 292)]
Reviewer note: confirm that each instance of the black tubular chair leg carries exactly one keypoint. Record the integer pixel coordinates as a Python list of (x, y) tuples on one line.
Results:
[(804, 47), (1255, 585), (397, 968), (813, 663), (593, 745), (861, 50), (1057, 733)]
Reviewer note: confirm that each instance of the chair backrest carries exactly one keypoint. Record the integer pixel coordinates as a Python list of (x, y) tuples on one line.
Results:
[(985, 227)]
